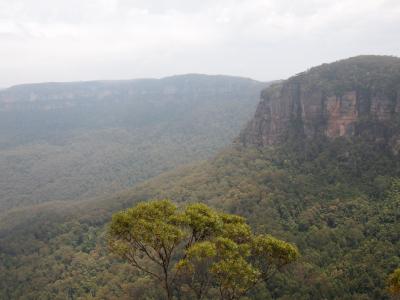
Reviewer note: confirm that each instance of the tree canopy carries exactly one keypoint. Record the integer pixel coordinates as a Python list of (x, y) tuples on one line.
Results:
[(196, 251)]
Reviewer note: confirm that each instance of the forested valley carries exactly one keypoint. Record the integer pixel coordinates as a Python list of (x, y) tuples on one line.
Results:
[(317, 168), (68, 141)]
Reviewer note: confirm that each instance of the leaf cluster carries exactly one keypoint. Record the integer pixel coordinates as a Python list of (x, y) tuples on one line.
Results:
[(196, 251)]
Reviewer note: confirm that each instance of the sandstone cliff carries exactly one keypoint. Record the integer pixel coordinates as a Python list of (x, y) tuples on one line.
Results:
[(359, 96)]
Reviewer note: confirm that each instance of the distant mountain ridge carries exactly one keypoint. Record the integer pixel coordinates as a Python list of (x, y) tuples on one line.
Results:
[(54, 109), (44, 95)]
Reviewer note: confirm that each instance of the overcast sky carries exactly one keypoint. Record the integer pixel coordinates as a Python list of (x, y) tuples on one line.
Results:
[(68, 40)]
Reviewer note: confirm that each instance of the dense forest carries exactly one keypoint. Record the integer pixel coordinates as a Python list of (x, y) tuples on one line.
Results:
[(347, 233), (337, 199), (68, 141)]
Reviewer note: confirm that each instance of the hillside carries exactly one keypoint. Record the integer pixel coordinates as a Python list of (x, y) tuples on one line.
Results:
[(67, 141), (336, 196)]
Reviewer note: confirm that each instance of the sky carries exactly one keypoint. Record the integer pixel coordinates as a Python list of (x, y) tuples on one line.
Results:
[(73, 40)]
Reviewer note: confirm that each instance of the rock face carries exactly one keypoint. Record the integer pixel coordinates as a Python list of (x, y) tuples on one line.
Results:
[(355, 97)]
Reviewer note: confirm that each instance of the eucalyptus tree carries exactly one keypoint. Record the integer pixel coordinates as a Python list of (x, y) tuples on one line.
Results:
[(196, 251)]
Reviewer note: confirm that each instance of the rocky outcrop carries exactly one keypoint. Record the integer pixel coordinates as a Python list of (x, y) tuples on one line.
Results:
[(344, 99)]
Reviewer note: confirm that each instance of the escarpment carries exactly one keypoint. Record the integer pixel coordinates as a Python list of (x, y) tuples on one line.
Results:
[(356, 97)]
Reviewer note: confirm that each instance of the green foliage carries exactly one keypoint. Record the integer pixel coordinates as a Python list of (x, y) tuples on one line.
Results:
[(347, 231), (150, 224), (235, 277), (278, 255), (148, 230), (364, 73), (198, 248), (393, 282), (202, 221)]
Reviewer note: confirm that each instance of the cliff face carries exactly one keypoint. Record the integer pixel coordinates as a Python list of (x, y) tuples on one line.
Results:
[(355, 97)]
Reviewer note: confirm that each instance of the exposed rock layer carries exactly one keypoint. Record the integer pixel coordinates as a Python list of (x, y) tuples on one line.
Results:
[(353, 97)]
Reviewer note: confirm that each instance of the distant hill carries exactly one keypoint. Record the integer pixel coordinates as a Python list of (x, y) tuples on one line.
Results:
[(64, 141), (300, 170)]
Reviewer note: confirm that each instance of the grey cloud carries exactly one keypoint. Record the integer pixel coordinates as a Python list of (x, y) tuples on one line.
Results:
[(57, 40)]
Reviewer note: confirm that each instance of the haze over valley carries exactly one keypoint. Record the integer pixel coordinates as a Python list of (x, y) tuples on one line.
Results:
[(131, 168), (67, 141)]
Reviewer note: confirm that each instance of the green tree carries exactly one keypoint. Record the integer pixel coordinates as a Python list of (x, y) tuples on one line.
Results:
[(196, 251)]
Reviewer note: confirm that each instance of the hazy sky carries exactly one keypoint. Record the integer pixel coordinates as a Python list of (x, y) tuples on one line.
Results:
[(65, 40)]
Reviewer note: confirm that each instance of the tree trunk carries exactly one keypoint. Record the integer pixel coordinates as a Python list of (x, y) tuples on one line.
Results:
[(168, 289)]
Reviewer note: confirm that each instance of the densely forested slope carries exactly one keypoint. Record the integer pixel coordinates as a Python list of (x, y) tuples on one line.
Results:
[(348, 233), (337, 199), (64, 141)]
